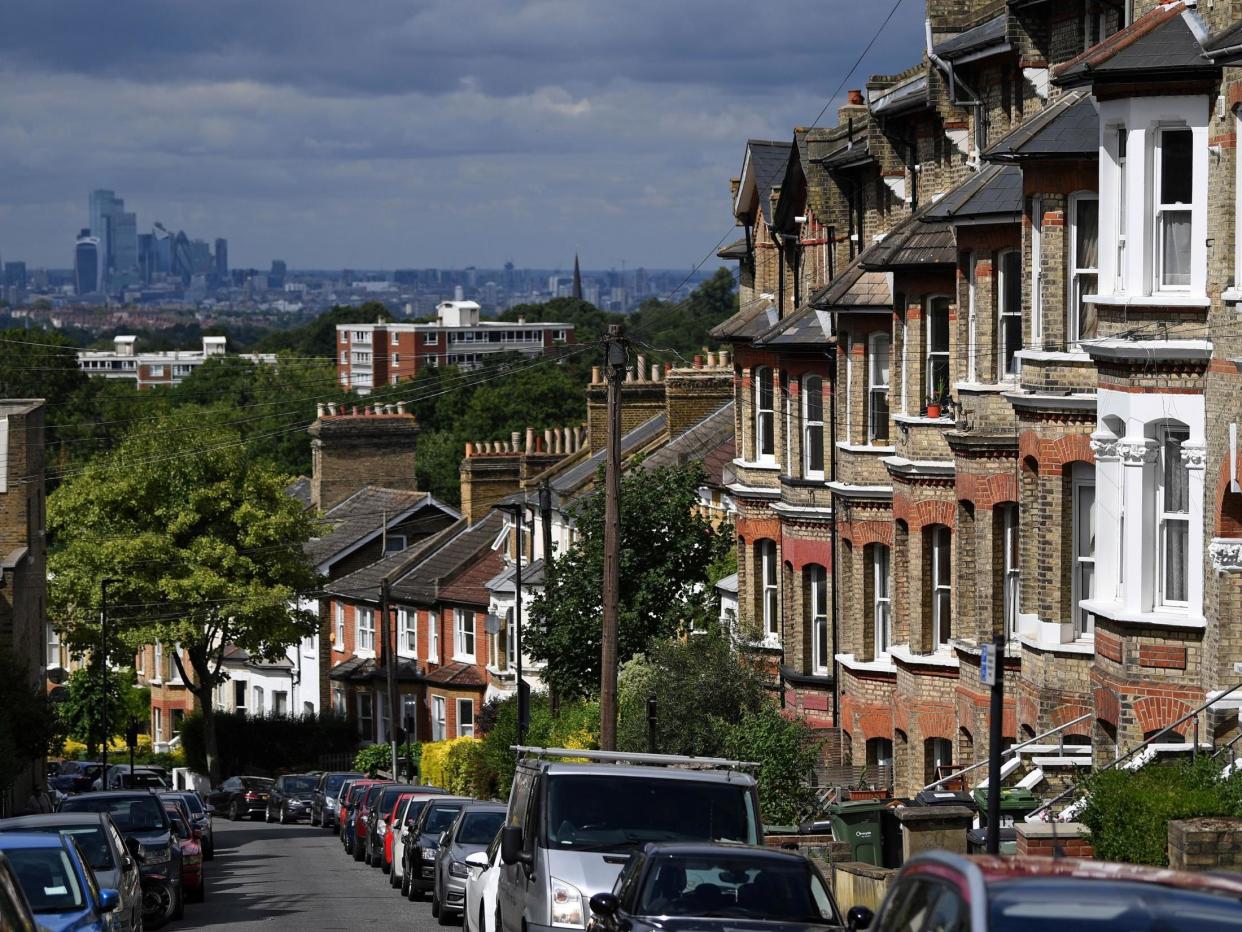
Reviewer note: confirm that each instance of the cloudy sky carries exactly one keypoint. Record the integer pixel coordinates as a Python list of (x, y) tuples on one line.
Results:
[(411, 133)]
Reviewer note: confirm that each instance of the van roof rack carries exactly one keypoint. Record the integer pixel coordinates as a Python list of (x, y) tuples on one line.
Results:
[(622, 757)]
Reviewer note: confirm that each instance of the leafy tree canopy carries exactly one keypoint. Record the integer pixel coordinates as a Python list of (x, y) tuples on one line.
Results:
[(318, 338), (48, 370), (81, 714), (27, 725)]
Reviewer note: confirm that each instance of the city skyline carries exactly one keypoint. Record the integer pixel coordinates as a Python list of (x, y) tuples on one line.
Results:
[(524, 133)]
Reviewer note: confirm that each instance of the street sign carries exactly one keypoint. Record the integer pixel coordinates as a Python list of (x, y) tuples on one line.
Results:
[(987, 665)]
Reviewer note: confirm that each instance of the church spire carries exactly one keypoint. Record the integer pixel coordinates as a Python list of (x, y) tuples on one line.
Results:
[(577, 279)]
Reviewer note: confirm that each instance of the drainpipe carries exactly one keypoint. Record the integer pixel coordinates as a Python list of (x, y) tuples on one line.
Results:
[(947, 68), (832, 539)]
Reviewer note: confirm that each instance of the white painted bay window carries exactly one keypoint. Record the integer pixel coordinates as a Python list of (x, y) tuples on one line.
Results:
[(878, 353), (1009, 312), (817, 595), (1174, 192), (940, 542), (765, 415), (813, 427), (1083, 504), (1084, 256), (1173, 509), (882, 598), (769, 593), (1010, 573)]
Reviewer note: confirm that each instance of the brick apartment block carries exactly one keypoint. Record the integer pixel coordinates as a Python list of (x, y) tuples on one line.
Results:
[(986, 371)]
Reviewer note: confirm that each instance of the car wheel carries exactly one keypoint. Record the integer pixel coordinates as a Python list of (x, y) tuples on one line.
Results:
[(234, 812), (359, 853), (280, 817), (158, 904), (446, 916), (405, 885), (180, 911), (198, 894), (435, 904), (209, 852), (415, 893)]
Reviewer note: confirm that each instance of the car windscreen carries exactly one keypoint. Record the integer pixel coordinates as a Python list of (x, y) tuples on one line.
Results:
[(47, 877), (193, 803), (180, 829), (602, 812), (133, 781), (389, 799), (1086, 905), (373, 794), (736, 886), (297, 784), (130, 813), (440, 818), (415, 809), (334, 783), (479, 828), (90, 839)]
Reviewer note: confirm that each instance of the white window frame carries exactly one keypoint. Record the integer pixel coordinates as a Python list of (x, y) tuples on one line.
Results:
[(431, 338), (812, 424), (396, 338), (877, 389), (1037, 270), (464, 635), (364, 629), (280, 702), (433, 636), (407, 628), (1005, 313), (339, 612), (157, 675), (941, 546), (930, 356), (463, 730), (882, 598), (1121, 148), (1074, 274), (847, 342), (1011, 567), (1082, 484), (1165, 519), (157, 717), (972, 317), (242, 688), (765, 416), (787, 404), (821, 641), (769, 589), (1160, 210), (439, 718), (53, 647), (256, 700)]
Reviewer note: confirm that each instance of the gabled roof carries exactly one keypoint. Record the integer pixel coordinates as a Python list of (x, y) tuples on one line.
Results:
[(362, 516), (362, 670), (712, 442), (1068, 128), (791, 202), (762, 170), (856, 289), (1223, 46), (807, 326), (363, 585), (993, 193), (913, 244), (421, 583), (571, 480), (747, 323), (300, 489), (1162, 44), (989, 36), (910, 94)]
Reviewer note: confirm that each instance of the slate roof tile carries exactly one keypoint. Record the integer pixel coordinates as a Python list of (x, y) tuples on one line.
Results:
[(1068, 128), (994, 191), (974, 40)]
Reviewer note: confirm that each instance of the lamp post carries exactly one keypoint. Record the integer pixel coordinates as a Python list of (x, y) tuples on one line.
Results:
[(518, 510), (103, 668)]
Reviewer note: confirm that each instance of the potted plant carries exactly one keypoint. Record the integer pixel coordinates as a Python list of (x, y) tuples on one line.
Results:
[(935, 401)]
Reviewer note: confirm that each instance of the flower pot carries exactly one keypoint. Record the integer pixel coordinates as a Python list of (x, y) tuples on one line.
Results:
[(933, 411), (868, 794)]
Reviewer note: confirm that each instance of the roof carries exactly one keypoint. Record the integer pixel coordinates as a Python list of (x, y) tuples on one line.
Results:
[(361, 516), (728, 584), (711, 442), (1068, 128), (1161, 44), (532, 575), (639, 773), (765, 164), (807, 326), (1225, 41), (235, 654), (913, 244), (300, 489), (457, 674), (735, 250), (979, 39), (908, 95), (364, 670), (21, 839), (854, 152), (994, 192), (422, 582), (749, 321), (856, 288), (584, 471), (731, 849), (364, 584), (50, 820)]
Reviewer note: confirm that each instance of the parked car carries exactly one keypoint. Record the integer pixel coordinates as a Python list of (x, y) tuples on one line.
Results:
[(76, 776), (484, 873), (290, 799), (362, 819), (349, 812), (324, 801), (423, 842), (405, 824), (105, 852), (378, 816), (390, 830), (58, 883), (1006, 894), (15, 912), (586, 817), (191, 855), (241, 797), (719, 887), (140, 817), (200, 818), (124, 777), (471, 832)]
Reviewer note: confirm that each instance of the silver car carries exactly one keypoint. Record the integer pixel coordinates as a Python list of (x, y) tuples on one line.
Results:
[(473, 830)]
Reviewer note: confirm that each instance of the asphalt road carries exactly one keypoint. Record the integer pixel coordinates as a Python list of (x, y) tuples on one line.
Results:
[(295, 877)]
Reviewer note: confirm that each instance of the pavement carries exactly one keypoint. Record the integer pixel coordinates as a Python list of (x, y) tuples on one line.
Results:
[(276, 877)]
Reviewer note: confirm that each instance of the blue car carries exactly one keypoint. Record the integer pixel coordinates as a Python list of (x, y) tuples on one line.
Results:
[(59, 885)]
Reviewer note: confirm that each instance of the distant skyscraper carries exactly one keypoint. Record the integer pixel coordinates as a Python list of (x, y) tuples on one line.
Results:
[(276, 277), (577, 279), (182, 258), (103, 204), (147, 258), (87, 267), (15, 275), (222, 258), (123, 260), (200, 257)]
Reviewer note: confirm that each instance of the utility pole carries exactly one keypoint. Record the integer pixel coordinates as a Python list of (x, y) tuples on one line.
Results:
[(997, 669), (103, 670), (614, 372), (545, 526), (390, 664), (523, 716)]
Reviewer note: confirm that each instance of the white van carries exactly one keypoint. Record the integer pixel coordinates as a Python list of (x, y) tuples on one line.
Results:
[(571, 827)]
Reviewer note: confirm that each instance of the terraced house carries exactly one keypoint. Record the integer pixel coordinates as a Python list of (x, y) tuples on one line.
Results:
[(991, 386)]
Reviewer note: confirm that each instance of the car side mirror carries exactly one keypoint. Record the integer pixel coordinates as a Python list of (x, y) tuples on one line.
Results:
[(443, 839), (477, 859), (605, 904), (511, 844), (134, 847), (128, 862), (109, 900), (857, 919)]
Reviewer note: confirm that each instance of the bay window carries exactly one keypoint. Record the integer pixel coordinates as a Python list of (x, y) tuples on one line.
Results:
[(1083, 584), (937, 349), (769, 594), (765, 415), (1009, 312), (941, 566), (882, 599), (1120, 143), (1173, 194), (817, 595), (877, 388), (407, 631), (437, 718), (1173, 510), (813, 427), (1084, 255)]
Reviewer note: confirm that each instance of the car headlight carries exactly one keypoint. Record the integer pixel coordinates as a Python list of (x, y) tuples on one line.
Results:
[(566, 904), (382, 828), (459, 869), (429, 854), (161, 855)]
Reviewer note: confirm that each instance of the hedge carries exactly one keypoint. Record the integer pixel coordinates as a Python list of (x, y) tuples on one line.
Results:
[(455, 765), (267, 744)]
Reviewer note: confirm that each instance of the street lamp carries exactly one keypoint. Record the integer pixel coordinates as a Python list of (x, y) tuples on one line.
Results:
[(517, 510), (103, 667)]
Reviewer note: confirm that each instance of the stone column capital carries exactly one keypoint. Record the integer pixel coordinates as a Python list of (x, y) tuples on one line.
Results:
[(1194, 454), (1137, 451)]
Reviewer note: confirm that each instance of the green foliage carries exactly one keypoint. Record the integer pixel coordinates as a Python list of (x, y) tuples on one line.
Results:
[(38, 371), (576, 725), (267, 744), (1128, 812), (81, 714), (376, 757), (786, 750), (318, 338), (666, 554), (683, 327), (455, 765), (27, 725)]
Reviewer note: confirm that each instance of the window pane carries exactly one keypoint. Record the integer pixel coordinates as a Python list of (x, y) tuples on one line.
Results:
[(943, 616), (1175, 248), (1087, 323), (1086, 229), (765, 389), (1011, 333), (1176, 539), (1176, 475), (815, 448), (1176, 167), (938, 326), (1086, 522), (1011, 268), (879, 361), (814, 399), (767, 435), (938, 369), (879, 415)]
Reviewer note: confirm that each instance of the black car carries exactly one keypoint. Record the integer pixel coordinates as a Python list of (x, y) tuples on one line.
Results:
[(325, 803), (377, 815), (290, 799), (241, 797), (75, 776), (200, 815), (719, 887), (140, 817), (423, 842)]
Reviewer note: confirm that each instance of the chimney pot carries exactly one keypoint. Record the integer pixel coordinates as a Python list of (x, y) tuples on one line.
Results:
[(642, 368), (515, 439), (595, 375), (354, 410), (655, 372), (319, 410), (401, 407), (698, 362), (469, 449), (856, 98), (530, 440)]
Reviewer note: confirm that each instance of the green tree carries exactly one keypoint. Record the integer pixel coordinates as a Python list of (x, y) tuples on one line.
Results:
[(666, 553), (684, 327), (203, 545), (38, 364), (318, 338), (81, 714), (786, 750)]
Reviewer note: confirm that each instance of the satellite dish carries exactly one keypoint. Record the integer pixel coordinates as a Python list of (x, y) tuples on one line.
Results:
[(57, 675), (59, 694)]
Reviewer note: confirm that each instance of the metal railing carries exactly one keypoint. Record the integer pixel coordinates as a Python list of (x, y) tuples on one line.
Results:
[(1012, 749), (621, 757)]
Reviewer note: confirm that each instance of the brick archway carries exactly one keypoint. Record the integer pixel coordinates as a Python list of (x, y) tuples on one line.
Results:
[(1156, 712), (1107, 705), (937, 725)]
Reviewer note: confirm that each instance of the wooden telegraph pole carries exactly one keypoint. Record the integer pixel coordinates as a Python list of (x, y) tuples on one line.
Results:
[(614, 370)]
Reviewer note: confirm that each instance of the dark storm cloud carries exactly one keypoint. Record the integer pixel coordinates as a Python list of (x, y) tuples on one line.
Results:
[(434, 132)]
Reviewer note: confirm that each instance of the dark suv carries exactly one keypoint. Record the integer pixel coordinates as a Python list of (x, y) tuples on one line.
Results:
[(325, 802), (362, 819), (290, 799), (423, 842), (241, 797)]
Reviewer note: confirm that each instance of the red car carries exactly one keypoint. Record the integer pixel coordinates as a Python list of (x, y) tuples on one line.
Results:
[(938, 890), (349, 808), (361, 812), (390, 819), (191, 855)]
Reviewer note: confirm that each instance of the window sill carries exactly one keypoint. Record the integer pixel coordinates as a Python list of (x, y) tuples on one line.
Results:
[(881, 664), (1114, 611), (865, 448), (463, 658), (1231, 295), (1159, 299), (918, 420), (943, 657), (758, 464), (985, 388), (365, 653)]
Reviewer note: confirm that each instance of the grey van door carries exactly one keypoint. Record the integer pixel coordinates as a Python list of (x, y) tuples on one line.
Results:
[(516, 879)]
